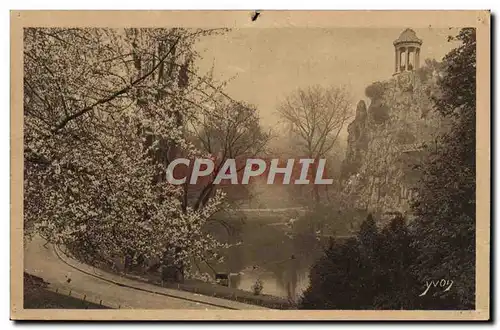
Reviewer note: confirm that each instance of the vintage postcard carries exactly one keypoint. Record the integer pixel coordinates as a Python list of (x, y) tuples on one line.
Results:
[(237, 165)]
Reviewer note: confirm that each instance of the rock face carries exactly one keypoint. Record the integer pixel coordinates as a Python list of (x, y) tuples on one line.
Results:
[(387, 140)]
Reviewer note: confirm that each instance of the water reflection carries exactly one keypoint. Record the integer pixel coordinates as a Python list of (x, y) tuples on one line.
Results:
[(274, 285), (271, 253)]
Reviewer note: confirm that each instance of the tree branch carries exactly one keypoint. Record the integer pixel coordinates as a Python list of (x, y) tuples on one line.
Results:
[(105, 100)]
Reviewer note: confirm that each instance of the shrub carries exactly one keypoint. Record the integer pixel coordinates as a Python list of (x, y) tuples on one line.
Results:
[(376, 90), (370, 271), (257, 287)]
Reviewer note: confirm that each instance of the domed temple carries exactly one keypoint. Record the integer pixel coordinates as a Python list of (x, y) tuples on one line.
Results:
[(388, 138), (407, 51)]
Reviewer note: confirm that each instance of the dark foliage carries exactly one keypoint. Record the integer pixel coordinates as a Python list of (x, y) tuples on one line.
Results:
[(376, 90), (370, 271), (377, 111), (391, 268), (446, 205)]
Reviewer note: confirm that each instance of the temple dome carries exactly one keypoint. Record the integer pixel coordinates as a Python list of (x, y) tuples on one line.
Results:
[(408, 35), (407, 52)]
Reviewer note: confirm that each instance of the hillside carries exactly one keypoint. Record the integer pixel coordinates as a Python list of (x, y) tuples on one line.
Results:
[(388, 139)]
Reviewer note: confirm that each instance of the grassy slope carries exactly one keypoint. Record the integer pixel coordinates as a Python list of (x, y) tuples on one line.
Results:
[(36, 296)]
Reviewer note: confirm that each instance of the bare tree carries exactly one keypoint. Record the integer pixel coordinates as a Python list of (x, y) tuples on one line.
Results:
[(314, 117), (231, 130)]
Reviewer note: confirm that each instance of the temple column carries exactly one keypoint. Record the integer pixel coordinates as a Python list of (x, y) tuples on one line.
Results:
[(407, 58), (395, 60), (417, 58), (411, 64), (400, 60)]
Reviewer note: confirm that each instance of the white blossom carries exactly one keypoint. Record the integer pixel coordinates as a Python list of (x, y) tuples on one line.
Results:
[(90, 177)]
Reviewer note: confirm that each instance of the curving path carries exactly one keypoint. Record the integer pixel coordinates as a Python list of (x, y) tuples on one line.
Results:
[(69, 276)]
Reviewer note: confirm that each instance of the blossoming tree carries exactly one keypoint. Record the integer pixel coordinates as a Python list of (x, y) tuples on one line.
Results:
[(104, 113)]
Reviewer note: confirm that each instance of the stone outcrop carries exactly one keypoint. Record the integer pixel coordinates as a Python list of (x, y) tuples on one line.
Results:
[(387, 141)]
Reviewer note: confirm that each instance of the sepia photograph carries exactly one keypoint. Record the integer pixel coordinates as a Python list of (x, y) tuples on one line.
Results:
[(286, 165)]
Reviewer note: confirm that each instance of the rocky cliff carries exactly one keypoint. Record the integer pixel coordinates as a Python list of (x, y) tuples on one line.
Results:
[(387, 141)]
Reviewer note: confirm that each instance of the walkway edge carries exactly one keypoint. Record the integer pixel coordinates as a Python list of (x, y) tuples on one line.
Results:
[(149, 288)]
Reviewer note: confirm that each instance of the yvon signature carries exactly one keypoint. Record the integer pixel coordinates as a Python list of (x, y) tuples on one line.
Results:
[(443, 284)]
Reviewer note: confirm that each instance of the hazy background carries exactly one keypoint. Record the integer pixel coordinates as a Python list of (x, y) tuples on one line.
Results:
[(264, 65)]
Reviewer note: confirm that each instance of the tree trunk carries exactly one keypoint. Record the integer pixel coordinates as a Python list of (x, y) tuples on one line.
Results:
[(315, 186)]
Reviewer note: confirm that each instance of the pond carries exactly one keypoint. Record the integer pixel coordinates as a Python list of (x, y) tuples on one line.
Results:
[(267, 251)]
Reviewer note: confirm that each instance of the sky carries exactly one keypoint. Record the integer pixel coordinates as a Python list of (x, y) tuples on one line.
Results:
[(263, 65)]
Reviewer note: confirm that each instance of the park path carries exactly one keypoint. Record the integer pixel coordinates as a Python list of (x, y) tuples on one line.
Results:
[(69, 276)]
